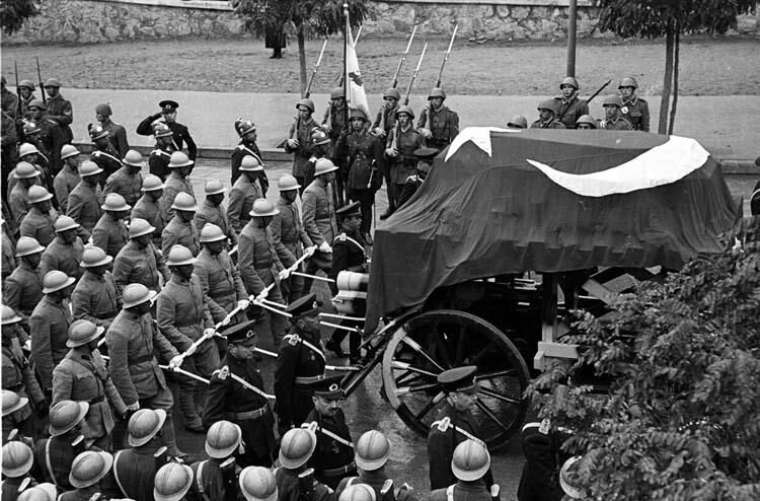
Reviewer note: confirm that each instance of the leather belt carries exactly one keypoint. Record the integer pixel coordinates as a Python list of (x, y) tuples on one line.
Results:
[(142, 359), (242, 416), (97, 400), (341, 470), (309, 379)]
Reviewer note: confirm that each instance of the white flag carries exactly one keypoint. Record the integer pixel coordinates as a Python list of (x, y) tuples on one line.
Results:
[(355, 94)]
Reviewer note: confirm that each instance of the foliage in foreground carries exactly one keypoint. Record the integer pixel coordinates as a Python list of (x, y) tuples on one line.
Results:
[(13, 13), (681, 418)]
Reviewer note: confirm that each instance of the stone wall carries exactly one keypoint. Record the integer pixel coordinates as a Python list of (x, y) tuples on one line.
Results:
[(97, 21)]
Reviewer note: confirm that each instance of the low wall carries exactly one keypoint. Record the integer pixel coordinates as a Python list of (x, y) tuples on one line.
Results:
[(97, 21)]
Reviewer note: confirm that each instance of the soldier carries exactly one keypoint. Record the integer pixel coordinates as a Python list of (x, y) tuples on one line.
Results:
[(586, 122), (258, 484), (9, 99), (181, 228), (212, 211), (140, 262), (245, 189), (320, 147), (64, 253), (470, 464), (8, 243), (105, 155), (334, 122), (82, 375), (68, 177), (49, 327), (127, 181), (18, 198), (247, 146), (22, 290), (461, 388), (177, 182), (300, 143), (160, 156), (110, 233), (403, 140), (381, 128), (84, 201), (319, 218), (571, 107), (18, 460), (15, 415), (133, 340), (28, 152), (248, 409), (634, 109), (38, 222), (301, 361), (87, 471), (25, 91), (444, 123), (135, 468), (94, 297), (54, 455), (59, 109), (45, 133), (287, 228), (148, 206), (218, 276), (547, 115), (183, 317), (117, 134), (425, 158), (215, 476), (517, 122), (172, 482), (9, 136), (180, 133), (294, 481), (357, 492), (613, 118), (541, 444), (360, 149)]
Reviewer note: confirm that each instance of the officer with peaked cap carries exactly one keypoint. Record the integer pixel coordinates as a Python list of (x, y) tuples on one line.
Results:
[(168, 116), (442, 123), (65, 252), (140, 261), (111, 233), (38, 222), (300, 143), (247, 146), (127, 181), (319, 218), (148, 206), (95, 297), (634, 109), (172, 482), (55, 454), (49, 327), (295, 480), (105, 155), (82, 375), (160, 156), (58, 108), (181, 229), (548, 110), (571, 107), (117, 134), (68, 177), (215, 476), (86, 197), (88, 476), (470, 464), (300, 363), (18, 460), (22, 290), (245, 190), (177, 182), (402, 142), (257, 483), (613, 116), (134, 468), (212, 211), (227, 398)]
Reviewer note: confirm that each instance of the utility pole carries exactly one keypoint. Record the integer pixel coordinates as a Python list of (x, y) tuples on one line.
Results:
[(571, 32)]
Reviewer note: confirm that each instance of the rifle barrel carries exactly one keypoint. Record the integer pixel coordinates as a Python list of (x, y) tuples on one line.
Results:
[(403, 56), (414, 75), (316, 68), (39, 78), (446, 56)]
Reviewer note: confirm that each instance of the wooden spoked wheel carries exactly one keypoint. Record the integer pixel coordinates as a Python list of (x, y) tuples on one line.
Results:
[(427, 344)]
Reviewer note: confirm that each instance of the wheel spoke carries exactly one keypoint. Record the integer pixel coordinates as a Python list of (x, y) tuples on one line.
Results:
[(397, 364), (408, 378), (411, 343), (488, 412), (429, 406), (499, 396), (491, 375), (403, 390)]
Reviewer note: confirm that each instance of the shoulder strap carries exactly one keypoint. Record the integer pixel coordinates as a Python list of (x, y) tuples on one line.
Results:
[(199, 480), (116, 473), (450, 492), (48, 464), (314, 348)]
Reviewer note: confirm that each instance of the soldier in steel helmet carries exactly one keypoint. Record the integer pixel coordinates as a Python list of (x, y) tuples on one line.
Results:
[(215, 476), (180, 167), (117, 134), (334, 122), (85, 199), (257, 483), (139, 261), (181, 228), (22, 290), (168, 117), (548, 110), (149, 208), (105, 155), (58, 108), (90, 477), (212, 211), (38, 222), (319, 218), (321, 147), (381, 128), (634, 109), (295, 479), (470, 466), (68, 177), (111, 233), (95, 297), (246, 189), (517, 122), (247, 146), (127, 180), (437, 123), (299, 142), (55, 454), (613, 117), (172, 482), (64, 253), (18, 460), (571, 107), (402, 142), (160, 156), (26, 176)]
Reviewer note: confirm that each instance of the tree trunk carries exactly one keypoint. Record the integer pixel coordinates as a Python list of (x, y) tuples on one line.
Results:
[(662, 128), (301, 57), (676, 51)]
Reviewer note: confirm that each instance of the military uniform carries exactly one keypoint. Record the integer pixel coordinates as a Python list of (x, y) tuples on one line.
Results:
[(18, 203), (125, 183), (63, 184), (134, 470), (53, 457), (110, 234), (8, 253), (13, 487), (333, 459), (17, 374), (134, 265), (636, 111), (571, 110), (243, 149), (540, 475), (59, 109), (49, 142), (214, 214), (84, 205), (150, 210), (180, 135), (405, 164), (117, 136), (61, 256), (214, 479), (289, 487), (49, 328), (381, 484), (287, 228), (182, 233), (364, 178), (39, 225), (22, 290), (462, 491), (444, 126), (551, 124), (619, 123), (319, 223), (348, 254), (95, 299), (107, 159), (301, 130), (174, 184), (242, 195), (158, 161), (220, 282)]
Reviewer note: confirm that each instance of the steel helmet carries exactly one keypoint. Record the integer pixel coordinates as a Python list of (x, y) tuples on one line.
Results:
[(243, 127), (307, 103), (89, 168), (573, 490), (437, 92), (296, 447), (518, 122), (152, 182), (37, 103), (287, 183), (97, 132), (89, 468), (25, 170), (628, 82), (65, 223), (139, 227), (392, 93), (17, 459), (549, 104), (405, 109), (337, 93), (144, 425), (134, 294), (251, 164), (211, 233), (179, 159), (82, 332), (65, 415), (222, 439), (323, 166), (9, 316), (586, 119), (104, 109), (172, 481), (160, 129), (612, 100), (40, 492), (52, 82), (12, 402), (357, 113), (27, 149), (115, 203), (318, 137), (470, 461), (94, 256), (55, 280), (38, 194), (179, 255), (571, 81), (26, 83), (372, 450), (258, 484), (30, 128), (358, 492), (262, 208), (213, 187), (68, 151), (185, 202), (27, 246), (133, 158)]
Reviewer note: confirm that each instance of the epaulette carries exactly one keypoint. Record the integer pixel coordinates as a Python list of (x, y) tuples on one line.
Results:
[(292, 339)]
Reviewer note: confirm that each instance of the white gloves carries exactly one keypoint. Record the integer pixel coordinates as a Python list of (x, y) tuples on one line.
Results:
[(283, 274), (379, 131), (175, 362), (325, 247), (243, 304), (293, 143), (391, 152)]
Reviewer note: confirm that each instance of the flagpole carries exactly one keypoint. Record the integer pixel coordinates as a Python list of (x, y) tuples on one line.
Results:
[(346, 81)]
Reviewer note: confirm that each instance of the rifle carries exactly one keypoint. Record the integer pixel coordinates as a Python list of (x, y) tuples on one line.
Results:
[(18, 94), (600, 89), (314, 71), (398, 71), (394, 143), (39, 78), (446, 56)]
